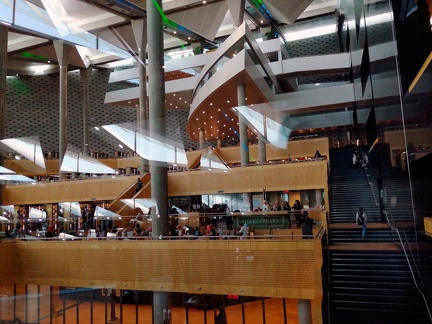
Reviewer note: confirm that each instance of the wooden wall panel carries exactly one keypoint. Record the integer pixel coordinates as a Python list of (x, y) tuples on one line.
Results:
[(416, 136), (7, 269), (275, 177), (77, 190), (295, 149), (28, 168)]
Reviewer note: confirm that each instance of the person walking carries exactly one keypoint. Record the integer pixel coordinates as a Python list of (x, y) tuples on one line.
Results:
[(361, 219), (138, 185)]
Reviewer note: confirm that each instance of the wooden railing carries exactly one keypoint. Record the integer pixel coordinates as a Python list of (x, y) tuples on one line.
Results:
[(266, 267)]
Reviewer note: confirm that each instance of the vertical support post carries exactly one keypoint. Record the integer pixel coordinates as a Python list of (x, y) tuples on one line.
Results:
[(262, 149), (26, 303), (63, 52), (158, 169), (263, 310), (77, 308), (64, 310), (139, 28), (201, 139), (3, 70), (304, 311), (51, 305), (244, 143), (85, 76), (15, 300), (318, 197), (38, 304), (91, 304)]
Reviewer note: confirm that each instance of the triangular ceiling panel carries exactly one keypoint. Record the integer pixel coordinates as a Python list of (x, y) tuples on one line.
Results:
[(77, 162), (203, 20), (120, 36), (287, 11), (139, 28), (236, 8)]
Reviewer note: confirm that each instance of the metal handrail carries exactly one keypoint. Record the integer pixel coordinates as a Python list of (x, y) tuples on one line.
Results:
[(392, 225), (371, 185)]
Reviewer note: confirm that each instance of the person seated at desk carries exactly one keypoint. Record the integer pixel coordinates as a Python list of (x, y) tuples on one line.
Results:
[(137, 230), (317, 155), (265, 207), (243, 231), (276, 206)]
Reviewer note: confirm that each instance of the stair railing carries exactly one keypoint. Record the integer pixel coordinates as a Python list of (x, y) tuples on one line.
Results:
[(371, 184), (391, 223)]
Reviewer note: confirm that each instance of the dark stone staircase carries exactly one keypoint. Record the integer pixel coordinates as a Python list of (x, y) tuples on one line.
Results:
[(374, 287), (350, 189), (370, 281)]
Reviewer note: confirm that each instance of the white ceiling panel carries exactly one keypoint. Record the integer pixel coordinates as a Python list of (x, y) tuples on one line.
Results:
[(202, 20)]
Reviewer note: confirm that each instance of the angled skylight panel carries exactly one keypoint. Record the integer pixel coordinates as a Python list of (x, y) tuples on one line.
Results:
[(15, 178), (254, 118), (102, 212), (7, 213), (72, 208), (123, 134), (155, 150), (5, 170), (211, 161), (277, 134), (273, 132), (33, 17), (56, 12), (35, 213), (141, 203), (28, 147), (147, 147), (8, 208), (4, 219), (77, 162), (6, 11)]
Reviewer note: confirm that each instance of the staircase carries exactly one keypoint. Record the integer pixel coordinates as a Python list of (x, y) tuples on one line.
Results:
[(370, 281), (373, 287), (350, 189), (117, 206)]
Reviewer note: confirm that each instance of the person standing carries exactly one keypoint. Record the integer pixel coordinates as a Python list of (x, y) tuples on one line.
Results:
[(297, 207), (220, 318), (265, 206), (354, 160), (361, 219), (244, 231), (113, 305)]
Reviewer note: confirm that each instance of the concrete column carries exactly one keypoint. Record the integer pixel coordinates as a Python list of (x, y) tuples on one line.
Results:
[(219, 143), (244, 142), (140, 31), (85, 76), (158, 170), (318, 197), (63, 52), (304, 311), (262, 149), (201, 139), (3, 73)]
